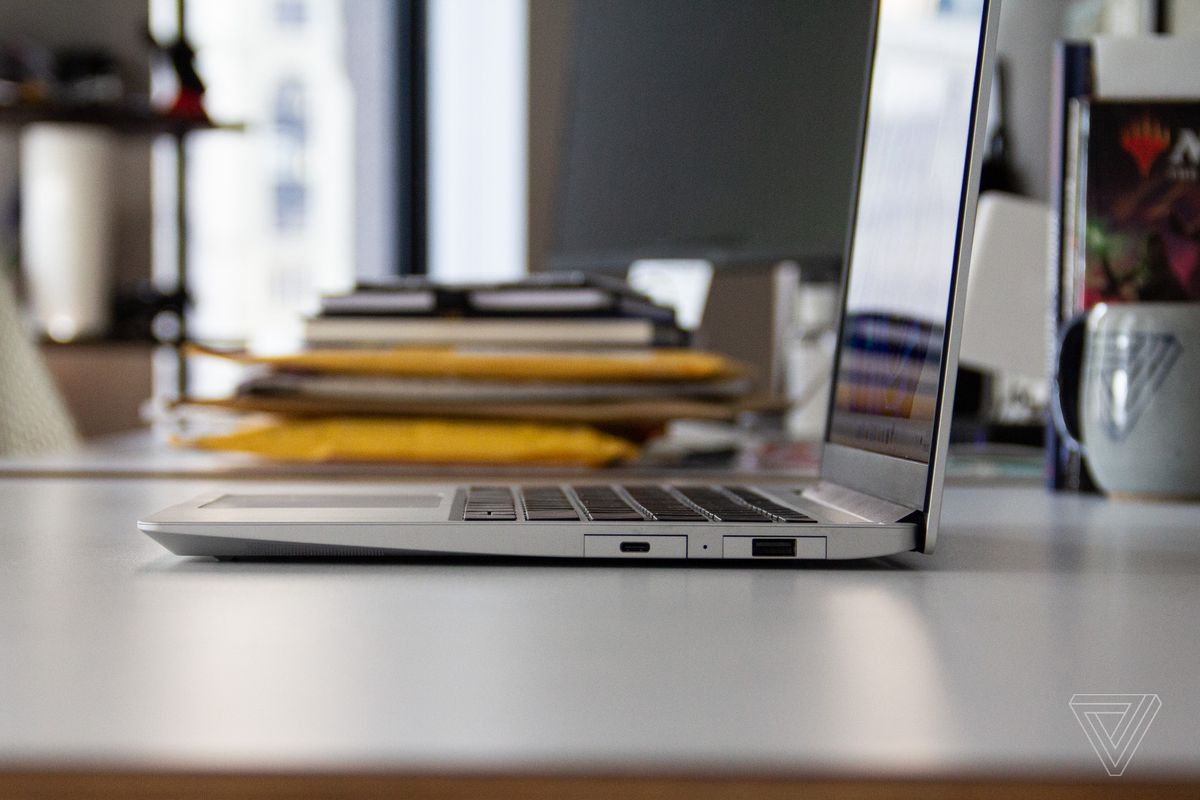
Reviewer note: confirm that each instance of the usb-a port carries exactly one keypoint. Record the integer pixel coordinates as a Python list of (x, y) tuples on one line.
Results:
[(773, 548)]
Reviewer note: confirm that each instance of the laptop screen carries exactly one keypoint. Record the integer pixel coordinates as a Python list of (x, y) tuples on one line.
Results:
[(905, 238)]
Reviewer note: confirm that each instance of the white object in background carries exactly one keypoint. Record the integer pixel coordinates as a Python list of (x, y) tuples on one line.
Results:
[(1138, 67), (67, 220), (1184, 17), (478, 100), (1007, 305), (682, 284), (1005, 327), (1137, 417), (1085, 18), (810, 360)]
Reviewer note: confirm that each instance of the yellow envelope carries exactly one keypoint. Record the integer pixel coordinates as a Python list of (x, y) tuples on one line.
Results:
[(434, 441), (548, 365)]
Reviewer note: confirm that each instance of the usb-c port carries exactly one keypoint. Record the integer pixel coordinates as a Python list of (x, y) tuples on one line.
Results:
[(635, 547), (778, 548)]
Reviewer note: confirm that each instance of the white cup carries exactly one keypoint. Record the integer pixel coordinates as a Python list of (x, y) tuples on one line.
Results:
[(67, 222), (1129, 394)]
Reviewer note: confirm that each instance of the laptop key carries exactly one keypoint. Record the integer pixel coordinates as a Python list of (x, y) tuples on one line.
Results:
[(547, 503), (490, 516), (663, 505), (603, 504), (721, 506), (489, 503), (768, 505)]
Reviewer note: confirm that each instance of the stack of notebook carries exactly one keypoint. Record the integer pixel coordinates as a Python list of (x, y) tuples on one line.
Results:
[(550, 360), (550, 311)]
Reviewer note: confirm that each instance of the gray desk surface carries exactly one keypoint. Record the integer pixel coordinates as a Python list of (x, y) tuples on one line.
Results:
[(116, 654)]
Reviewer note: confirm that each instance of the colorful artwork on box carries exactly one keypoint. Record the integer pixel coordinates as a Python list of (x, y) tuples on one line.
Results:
[(1142, 233)]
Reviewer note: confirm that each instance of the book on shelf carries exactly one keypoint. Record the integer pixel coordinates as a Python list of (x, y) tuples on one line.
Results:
[(1125, 183), (1071, 80)]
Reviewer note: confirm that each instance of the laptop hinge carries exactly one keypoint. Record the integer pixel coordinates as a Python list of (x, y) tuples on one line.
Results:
[(864, 506)]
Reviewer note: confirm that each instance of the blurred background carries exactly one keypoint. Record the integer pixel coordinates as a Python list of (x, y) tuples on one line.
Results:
[(342, 141)]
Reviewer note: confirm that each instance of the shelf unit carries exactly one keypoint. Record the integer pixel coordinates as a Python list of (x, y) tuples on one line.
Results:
[(128, 119)]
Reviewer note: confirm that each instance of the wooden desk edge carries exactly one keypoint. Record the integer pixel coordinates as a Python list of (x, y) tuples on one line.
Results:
[(81, 785)]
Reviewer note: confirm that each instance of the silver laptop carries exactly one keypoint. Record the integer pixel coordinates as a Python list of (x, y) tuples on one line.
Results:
[(884, 455)]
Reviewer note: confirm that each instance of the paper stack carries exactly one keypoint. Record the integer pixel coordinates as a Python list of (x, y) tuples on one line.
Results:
[(563, 369)]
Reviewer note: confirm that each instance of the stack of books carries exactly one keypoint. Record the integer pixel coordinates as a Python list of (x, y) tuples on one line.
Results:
[(571, 354), (555, 310)]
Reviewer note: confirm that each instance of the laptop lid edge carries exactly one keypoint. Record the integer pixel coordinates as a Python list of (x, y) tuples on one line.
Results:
[(909, 483), (941, 439)]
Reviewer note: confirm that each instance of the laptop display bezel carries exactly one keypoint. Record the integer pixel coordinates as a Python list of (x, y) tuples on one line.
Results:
[(914, 484)]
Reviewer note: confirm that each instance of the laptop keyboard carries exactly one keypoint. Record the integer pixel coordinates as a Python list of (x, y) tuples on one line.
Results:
[(601, 503)]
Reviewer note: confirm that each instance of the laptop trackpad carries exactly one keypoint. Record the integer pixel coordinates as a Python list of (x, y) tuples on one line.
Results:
[(392, 501)]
